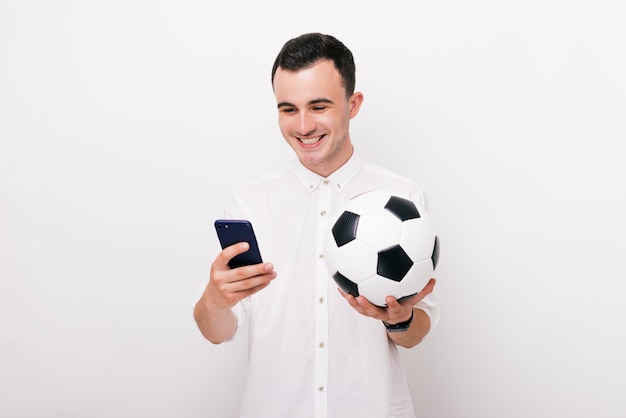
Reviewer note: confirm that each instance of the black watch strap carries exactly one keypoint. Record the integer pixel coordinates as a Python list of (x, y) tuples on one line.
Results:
[(399, 327)]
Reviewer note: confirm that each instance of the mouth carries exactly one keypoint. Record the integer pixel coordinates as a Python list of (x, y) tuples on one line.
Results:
[(311, 140)]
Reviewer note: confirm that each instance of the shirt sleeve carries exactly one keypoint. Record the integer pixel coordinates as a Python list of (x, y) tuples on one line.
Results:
[(240, 310), (430, 305)]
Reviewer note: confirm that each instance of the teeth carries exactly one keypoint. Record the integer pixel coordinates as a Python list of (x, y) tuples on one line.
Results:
[(310, 141)]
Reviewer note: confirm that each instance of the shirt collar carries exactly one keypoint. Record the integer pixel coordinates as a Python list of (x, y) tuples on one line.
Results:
[(338, 179)]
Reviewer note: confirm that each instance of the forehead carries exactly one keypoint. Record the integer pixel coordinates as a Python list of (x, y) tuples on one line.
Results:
[(319, 80)]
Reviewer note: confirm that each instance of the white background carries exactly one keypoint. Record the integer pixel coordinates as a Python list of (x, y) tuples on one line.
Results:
[(124, 124)]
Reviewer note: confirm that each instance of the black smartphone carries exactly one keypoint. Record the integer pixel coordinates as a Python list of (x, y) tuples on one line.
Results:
[(232, 231)]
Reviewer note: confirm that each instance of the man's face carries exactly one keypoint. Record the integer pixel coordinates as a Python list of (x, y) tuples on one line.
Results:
[(314, 115)]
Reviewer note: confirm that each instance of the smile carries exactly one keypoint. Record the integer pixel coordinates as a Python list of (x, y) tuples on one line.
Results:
[(311, 141)]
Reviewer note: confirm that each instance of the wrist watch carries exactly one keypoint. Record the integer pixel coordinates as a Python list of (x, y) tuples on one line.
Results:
[(399, 327)]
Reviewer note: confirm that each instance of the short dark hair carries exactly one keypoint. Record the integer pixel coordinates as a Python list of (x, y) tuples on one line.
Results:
[(305, 50)]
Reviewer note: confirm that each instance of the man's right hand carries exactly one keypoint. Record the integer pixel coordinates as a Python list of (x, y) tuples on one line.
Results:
[(227, 287)]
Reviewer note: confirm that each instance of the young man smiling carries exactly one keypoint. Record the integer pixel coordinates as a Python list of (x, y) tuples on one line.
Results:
[(314, 115), (313, 351)]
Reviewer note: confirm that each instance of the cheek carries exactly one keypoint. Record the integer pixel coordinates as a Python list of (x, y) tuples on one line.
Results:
[(326, 122), (283, 124), (286, 130), (336, 120)]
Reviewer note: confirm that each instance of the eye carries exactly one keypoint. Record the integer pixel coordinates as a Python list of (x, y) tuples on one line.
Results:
[(288, 110), (319, 108)]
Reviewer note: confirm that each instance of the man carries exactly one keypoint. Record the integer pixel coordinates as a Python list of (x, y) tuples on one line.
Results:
[(313, 350)]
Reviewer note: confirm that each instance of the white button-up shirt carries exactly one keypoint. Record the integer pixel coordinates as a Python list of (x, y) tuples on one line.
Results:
[(310, 353)]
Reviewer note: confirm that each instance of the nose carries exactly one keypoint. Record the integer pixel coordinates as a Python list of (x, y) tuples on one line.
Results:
[(306, 124)]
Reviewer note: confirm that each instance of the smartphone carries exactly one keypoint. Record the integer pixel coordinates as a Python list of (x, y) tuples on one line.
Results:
[(232, 231)]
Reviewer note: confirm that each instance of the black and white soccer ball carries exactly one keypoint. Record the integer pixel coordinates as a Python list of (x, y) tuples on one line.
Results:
[(380, 245)]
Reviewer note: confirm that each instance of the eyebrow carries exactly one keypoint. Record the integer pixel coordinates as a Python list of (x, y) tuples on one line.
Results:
[(312, 102)]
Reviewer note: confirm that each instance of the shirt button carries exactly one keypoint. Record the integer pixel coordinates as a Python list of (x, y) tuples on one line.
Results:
[(321, 256), (323, 213), (325, 181), (320, 389), (321, 300), (339, 186), (321, 344)]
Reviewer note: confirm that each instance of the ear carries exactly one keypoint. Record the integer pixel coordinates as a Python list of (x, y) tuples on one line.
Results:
[(354, 103)]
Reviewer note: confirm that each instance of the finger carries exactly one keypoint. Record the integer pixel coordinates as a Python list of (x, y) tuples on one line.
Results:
[(228, 288), (393, 306), (397, 311), (251, 286), (369, 309), (430, 286), (347, 296), (229, 252), (351, 300), (426, 290), (246, 272)]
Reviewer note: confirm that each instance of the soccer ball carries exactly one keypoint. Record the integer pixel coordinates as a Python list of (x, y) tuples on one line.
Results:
[(381, 245)]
